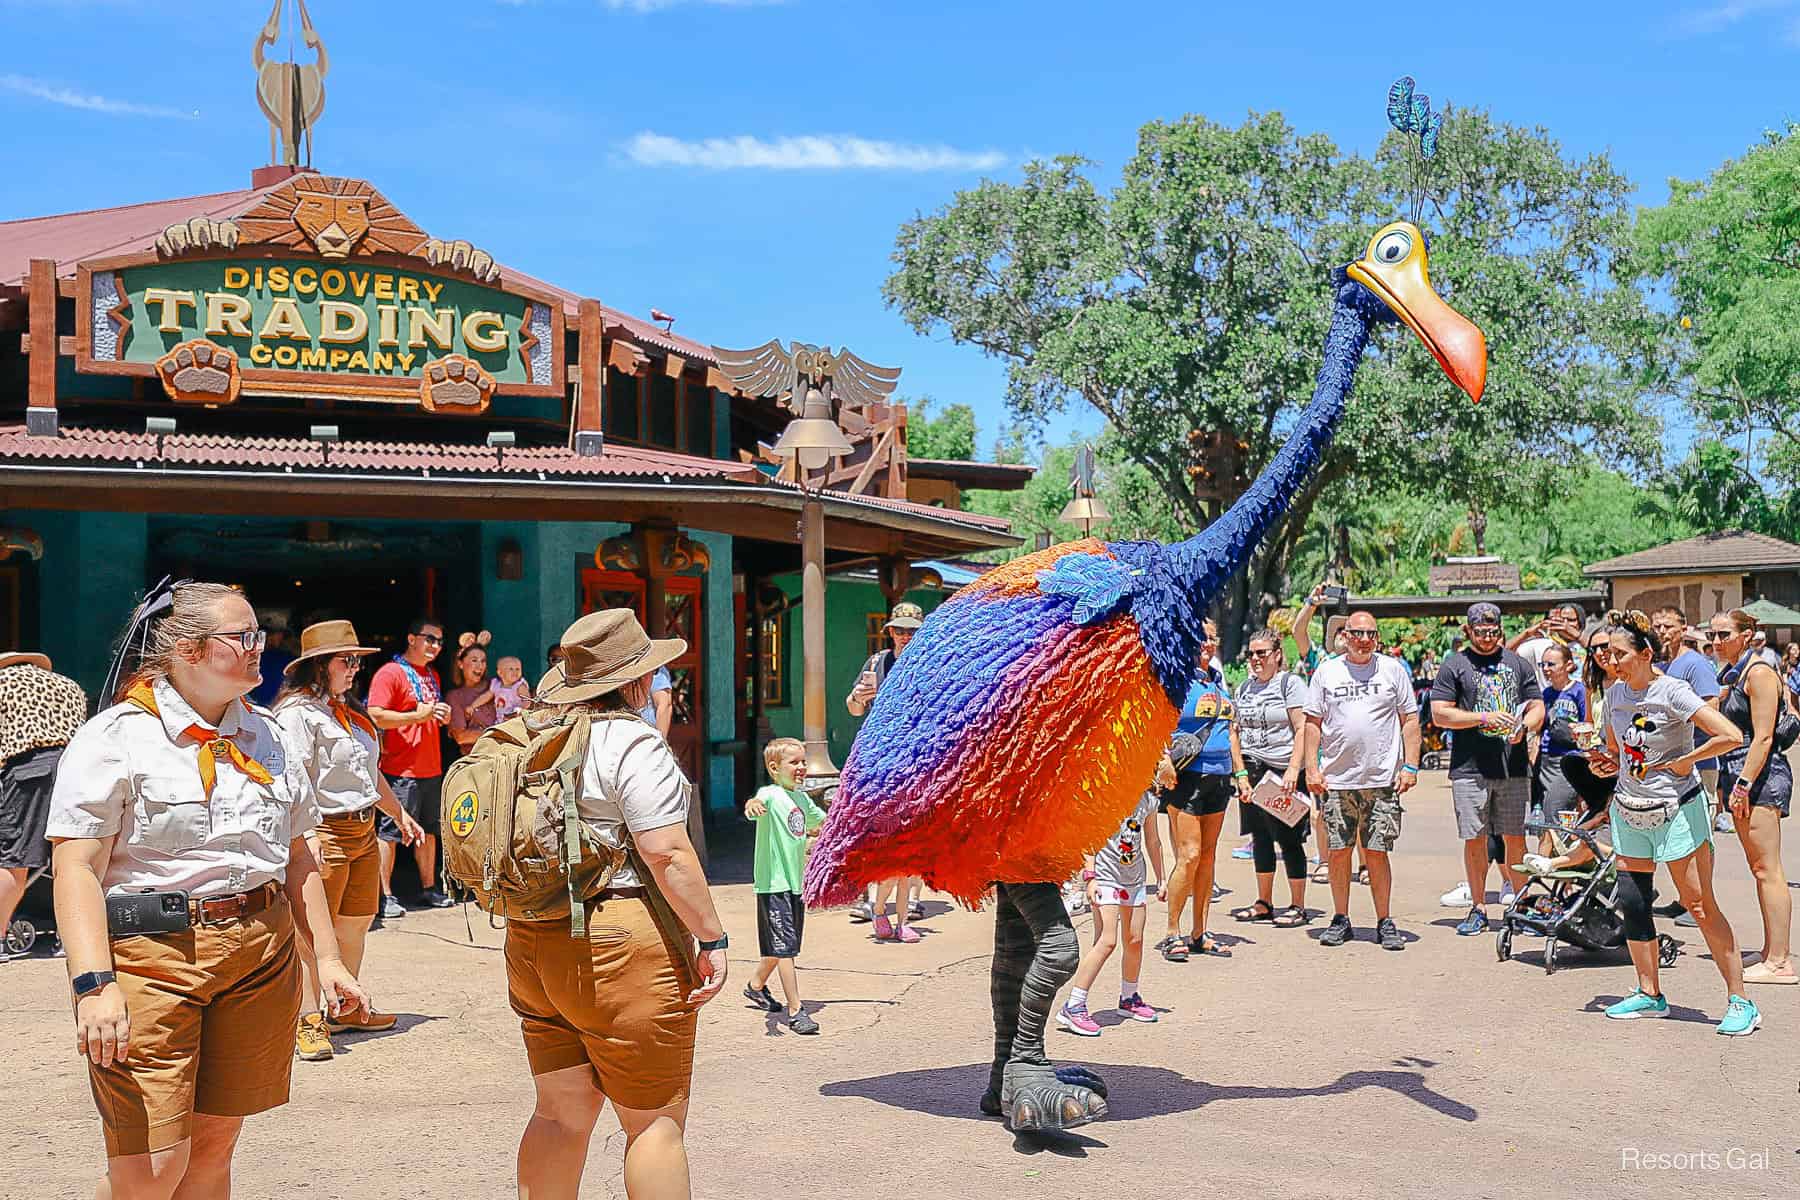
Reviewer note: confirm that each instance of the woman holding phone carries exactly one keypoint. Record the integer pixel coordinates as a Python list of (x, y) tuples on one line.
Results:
[(902, 623), (181, 814)]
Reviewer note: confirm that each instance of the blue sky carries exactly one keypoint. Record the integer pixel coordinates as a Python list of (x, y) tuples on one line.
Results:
[(744, 165)]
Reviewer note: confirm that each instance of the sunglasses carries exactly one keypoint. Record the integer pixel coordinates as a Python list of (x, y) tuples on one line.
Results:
[(1716, 635), (1484, 630), (352, 661), (430, 638), (1259, 653), (246, 639), (1363, 634)]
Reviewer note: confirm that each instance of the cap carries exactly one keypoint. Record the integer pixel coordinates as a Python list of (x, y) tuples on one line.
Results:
[(1484, 613), (906, 616)]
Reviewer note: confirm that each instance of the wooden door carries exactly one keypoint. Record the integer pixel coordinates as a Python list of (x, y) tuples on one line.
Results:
[(682, 618)]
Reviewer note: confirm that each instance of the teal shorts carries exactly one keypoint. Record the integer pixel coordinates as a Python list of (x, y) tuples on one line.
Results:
[(1673, 840)]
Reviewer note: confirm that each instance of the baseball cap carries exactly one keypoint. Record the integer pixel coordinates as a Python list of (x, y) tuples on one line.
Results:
[(1484, 613), (906, 616)]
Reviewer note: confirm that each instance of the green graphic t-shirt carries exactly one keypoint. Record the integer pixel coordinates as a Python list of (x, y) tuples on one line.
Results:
[(781, 837)]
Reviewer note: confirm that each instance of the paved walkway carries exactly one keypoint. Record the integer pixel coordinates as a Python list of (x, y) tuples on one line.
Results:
[(1286, 1070)]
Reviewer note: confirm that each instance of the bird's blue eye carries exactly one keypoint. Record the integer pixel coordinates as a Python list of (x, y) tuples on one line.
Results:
[(1393, 247)]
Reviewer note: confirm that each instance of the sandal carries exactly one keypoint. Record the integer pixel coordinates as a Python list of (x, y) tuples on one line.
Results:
[(1174, 948), (1362, 875), (1261, 910), (1290, 917), (1207, 944), (1321, 872)]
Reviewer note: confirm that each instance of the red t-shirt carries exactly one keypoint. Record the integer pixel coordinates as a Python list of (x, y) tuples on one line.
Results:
[(411, 750)]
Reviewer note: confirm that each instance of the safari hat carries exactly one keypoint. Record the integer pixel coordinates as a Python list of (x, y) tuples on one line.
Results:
[(602, 652), (327, 637), (906, 616), (24, 658)]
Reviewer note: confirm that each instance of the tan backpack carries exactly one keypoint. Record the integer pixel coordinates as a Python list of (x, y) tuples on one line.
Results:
[(510, 829)]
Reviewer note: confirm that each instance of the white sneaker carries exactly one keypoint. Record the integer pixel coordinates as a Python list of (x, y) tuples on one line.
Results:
[(1508, 896), (1537, 864), (1456, 897)]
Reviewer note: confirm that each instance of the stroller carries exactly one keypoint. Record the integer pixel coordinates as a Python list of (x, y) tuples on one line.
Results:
[(1574, 906)]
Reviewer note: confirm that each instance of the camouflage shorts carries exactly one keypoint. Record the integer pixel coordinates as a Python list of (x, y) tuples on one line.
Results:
[(1369, 816)]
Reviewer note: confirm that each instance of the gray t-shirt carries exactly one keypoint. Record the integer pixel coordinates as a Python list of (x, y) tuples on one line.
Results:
[(1120, 863), (1360, 709), (1654, 726), (1264, 731)]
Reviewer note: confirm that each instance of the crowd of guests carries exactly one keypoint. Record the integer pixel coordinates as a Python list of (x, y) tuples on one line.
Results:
[(226, 935)]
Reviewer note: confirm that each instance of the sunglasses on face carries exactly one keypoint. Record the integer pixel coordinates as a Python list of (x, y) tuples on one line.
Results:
[(349, 661), (1259, 653), (1484, 631), (430, 639), (245, 639), (1719, 635), (1365, 635)]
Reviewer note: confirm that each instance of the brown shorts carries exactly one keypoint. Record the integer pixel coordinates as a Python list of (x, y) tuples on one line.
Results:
[(349, 865), (212, 1028), (616, 1002)]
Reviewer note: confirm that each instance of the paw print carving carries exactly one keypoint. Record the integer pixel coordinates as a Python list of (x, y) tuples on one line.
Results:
[(455, 384), (199, 372), (199, 234), (461, 256)]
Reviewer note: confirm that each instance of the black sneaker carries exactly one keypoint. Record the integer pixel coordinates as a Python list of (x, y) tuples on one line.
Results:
[(1388, 934), (391, 909), (1338, 932), (433, 898), (762, 998), (801, 1023), (1672, 909)]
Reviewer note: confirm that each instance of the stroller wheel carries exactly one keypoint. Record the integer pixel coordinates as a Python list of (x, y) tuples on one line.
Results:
[(1667, 950), (21, 935), (1549, 956), (1503, 943)]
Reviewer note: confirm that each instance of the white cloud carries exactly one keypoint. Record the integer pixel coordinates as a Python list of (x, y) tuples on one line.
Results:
[(87, 101), (1723, 15), (818, 152)]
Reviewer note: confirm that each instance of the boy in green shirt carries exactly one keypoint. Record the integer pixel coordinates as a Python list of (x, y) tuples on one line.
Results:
[(784, 815)]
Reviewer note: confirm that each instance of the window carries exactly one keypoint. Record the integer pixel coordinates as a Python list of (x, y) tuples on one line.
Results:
[(697, 419), (775, 654), (663, 401), (875, 630), (620, 419)]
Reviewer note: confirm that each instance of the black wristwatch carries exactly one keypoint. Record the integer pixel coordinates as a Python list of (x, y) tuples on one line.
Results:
[(91, 982), (718, 943)]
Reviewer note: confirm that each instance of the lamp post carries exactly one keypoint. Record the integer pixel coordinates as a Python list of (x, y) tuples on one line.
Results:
[(811, 439), (1084, 509)]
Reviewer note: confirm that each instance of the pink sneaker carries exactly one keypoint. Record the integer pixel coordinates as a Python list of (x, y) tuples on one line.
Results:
[(1134, 1007), (1077, 1021), (906, 934), (884, 930)]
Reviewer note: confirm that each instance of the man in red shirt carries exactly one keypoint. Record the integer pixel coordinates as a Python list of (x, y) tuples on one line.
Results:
[(406, 701)]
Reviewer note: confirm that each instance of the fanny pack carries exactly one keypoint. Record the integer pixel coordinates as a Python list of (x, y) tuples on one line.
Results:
[(1643, 813)]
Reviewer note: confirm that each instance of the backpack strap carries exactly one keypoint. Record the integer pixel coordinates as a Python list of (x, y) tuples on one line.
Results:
[(572, 762)]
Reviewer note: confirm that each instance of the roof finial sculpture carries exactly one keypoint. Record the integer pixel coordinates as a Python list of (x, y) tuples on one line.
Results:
[(292, 95)]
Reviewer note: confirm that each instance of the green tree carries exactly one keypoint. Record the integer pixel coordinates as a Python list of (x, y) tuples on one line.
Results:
[(1726, 251), (1195, 297), (948, 435)]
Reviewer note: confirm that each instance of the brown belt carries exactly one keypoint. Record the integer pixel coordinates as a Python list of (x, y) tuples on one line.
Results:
[(360, 816), (216, 910)]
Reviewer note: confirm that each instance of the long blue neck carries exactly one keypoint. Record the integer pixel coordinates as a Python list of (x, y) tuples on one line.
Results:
[(1185, 579)]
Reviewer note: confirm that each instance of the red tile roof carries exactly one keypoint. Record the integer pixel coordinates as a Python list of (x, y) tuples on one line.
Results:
[(1727, 550), (215, 450)]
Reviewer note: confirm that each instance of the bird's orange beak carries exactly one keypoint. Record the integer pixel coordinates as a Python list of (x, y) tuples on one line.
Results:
[(1394, 269)]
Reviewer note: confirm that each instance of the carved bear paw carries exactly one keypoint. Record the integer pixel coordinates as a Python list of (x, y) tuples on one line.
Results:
[(199, 234), (456, 384), (199, 372), (461, 256)]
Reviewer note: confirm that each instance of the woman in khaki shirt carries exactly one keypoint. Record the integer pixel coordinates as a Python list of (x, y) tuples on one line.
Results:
[(184, 788)]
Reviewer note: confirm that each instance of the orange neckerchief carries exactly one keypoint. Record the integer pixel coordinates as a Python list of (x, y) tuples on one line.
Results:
[(349, 718), (211, 744)]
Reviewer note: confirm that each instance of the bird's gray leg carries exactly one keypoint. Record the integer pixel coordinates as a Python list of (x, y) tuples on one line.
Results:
[(1033, 1094), (1013, 950)]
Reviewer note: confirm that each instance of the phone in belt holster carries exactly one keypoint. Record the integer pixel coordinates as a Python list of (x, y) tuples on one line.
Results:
[(149, 911)]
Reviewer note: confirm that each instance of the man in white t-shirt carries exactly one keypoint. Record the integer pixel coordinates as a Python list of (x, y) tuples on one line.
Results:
[(1362, 755)]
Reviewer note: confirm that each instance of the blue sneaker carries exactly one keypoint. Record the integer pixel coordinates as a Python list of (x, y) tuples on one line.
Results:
[(1642, 1004), (1476, 922), (1741, 1018), (1244, 852)]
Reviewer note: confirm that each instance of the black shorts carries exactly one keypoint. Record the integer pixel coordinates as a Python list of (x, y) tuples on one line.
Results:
[(25, 785), (419, 797), (1201, 795), (780, 921)]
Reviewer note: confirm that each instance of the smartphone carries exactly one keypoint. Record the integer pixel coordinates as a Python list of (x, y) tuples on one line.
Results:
[(131, 913)]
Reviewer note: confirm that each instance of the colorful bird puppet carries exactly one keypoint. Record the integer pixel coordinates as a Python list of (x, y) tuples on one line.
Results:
[(1028, 713)]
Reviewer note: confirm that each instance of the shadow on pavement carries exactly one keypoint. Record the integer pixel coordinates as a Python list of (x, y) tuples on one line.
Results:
[(1134, 1092)]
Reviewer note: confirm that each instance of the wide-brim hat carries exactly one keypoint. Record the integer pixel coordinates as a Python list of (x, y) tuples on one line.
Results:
[(327, 637), (906, 616), (602, 652), (24, 657)]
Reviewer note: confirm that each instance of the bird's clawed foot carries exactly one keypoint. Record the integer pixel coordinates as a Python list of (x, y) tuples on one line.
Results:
[(1039, 1098)]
